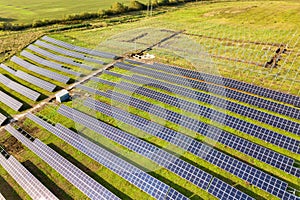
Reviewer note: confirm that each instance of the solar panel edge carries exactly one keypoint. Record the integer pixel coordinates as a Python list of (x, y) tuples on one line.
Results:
[(295, 102)]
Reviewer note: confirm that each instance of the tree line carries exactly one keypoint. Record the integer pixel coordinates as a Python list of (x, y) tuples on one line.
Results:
[(115, 9)]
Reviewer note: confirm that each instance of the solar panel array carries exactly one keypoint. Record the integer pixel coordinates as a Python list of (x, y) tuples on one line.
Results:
[(216, 89), (134, 175), (74, 175), (67, 52), (48, 63), (39, 70), (264, 92), (79, 49), (30, 79), (32, 186), (3, 118), (10, 102), (266, 155), (233, 122), (57, 57), (258, 115), (157, 155), (33, 95), (249, 174), (221, 190)]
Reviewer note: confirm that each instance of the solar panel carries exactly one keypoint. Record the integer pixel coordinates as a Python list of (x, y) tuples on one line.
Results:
[(30, 79), (57, 57), (48, 63), (33, 95), (3, 118), (224, 191), (197, 148), (32, 186), (226, 92), (10, 102), (233, 122), (159, 156), (264, 92), (74, 175), (289, 196), (67, 52), (134, 175), (39, 70), (242, 145), (258, 115), (79, 49)]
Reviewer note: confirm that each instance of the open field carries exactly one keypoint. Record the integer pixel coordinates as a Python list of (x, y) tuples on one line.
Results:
[(236, 39), (17, 12)]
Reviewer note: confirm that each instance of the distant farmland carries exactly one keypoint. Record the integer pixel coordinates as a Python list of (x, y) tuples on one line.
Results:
[(17, 12)]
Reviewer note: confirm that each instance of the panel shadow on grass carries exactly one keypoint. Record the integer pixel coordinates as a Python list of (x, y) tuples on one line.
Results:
[(89, 172), (7, 19), (43, 178), (8, 191)]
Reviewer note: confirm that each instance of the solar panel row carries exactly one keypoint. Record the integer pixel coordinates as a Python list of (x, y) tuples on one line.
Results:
[(39, 70), (157, 155), (67, 52), (57, 57), (79, 49), (233, 122), (3, 118), (224, 191), (137, 177), (10, 102), (48, 63), (264, 92), (234, 166), (256, 151), (264, 117), (233, 141), (32, 186), (74, 175), (30, 79), (33, 95), (216, 89)]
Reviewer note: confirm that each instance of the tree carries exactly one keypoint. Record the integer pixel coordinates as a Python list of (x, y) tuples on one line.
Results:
[(118, 8)]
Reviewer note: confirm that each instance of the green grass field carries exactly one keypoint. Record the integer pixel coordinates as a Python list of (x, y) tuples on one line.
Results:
[(19, 12), (237, 29)]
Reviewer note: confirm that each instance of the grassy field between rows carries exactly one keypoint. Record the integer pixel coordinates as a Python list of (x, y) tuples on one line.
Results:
[(235, 37)]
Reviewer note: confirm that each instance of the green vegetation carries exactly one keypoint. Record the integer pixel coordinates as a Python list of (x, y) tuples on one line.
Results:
[(233, 34)]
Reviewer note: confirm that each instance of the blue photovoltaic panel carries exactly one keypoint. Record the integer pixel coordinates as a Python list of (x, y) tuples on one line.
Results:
[(79, 49), (289, 196), (10, 102), (233, 122), (224, 191), (258, 115), (48, 63), (57, 57), (30, 79), (39, 70), (216, 89), (240, 144), (74, 175), (193, 146), (159, 156), (32, 186), (250, 88), (67, 52), (33, 95), (137, 177)]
